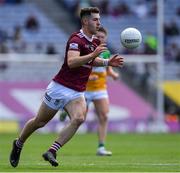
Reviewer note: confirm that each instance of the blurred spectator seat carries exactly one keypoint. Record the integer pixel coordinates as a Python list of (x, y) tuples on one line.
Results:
[(116, 25), (48, 32)]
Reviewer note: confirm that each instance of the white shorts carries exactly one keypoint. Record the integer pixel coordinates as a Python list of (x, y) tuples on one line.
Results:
[(57, 95), (95, 95)]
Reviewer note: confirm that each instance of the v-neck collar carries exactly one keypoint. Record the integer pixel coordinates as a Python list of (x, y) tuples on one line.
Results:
[(89, 39)]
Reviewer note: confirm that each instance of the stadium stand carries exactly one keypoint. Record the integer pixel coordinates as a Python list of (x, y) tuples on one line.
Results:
[(31, 40), (44, 35)]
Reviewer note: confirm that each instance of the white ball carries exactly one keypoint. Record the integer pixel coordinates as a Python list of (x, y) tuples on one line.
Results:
[(131, 38)]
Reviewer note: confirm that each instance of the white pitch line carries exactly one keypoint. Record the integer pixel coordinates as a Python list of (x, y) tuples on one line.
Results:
[(135, 164), (111, 164)]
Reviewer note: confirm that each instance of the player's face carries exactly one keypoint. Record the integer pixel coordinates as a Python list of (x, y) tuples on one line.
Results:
[(94, 23), (101, 36)]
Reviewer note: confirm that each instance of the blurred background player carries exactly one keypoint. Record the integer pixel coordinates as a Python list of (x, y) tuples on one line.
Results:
[(96, 92)]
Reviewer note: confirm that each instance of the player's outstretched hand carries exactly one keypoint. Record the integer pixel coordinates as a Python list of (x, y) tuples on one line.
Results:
[(101, 48), (116, 61)]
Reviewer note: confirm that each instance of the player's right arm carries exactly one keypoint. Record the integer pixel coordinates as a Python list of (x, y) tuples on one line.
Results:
[(75, 60)]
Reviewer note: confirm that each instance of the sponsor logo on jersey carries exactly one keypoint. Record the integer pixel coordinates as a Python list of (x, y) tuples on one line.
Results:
[(73, 46)]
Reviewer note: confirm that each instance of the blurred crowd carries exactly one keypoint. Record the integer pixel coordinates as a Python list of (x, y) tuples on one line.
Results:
[(115, 8), (139, 9), (14, 42), (172, 41), (10, 1)]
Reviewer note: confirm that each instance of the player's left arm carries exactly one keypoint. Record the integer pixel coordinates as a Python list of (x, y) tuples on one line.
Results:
[(112, 73), (114, 61)]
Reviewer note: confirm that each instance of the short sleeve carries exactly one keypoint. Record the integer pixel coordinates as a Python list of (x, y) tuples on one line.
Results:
[(74, 44)]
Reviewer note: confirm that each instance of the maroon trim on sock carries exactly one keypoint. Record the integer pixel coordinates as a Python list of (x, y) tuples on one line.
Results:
[(58, 143), (55, 147)]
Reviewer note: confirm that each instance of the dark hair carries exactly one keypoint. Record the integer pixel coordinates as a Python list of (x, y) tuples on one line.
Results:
[(102, 29), (87, 11)]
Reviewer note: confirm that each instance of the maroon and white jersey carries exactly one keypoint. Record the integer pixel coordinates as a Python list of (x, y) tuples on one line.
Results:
[(76, 78)]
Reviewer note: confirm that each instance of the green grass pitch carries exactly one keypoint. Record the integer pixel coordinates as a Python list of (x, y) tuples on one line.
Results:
[(131, 153)]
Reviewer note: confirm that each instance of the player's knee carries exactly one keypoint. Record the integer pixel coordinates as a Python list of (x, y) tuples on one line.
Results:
[(78, 120), (103, 117)]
